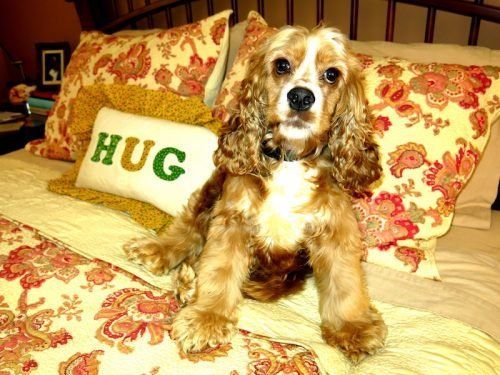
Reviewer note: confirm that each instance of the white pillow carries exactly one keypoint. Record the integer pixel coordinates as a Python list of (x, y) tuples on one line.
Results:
[(168, 162)]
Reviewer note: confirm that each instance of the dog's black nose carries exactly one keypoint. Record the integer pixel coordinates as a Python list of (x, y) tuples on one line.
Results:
[(300, 98)]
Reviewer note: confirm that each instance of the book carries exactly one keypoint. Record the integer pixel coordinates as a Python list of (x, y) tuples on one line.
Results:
[(11, 126), (38, 118), (44, 94), (6, 116), (40, 103), (39, 111)]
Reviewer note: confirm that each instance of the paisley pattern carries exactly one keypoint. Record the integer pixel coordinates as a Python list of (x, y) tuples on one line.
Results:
[(133, 65), (442, 83), (179, 60), (384, 220), (432, 123), (81, 364), (256, 32), (450, 175), (129, 313), (24, 263), (407, 156), (104, 318)]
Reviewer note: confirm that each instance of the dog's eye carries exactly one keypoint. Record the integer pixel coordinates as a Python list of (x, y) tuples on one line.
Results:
[(331, 75), (282, 66)]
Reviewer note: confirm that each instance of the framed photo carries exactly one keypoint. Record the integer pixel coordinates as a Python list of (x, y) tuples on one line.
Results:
[(52, 60)]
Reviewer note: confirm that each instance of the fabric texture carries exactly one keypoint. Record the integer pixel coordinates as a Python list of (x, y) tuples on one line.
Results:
[(188, 60), (468, 261), (256, 32), (473, 207), (432, 122), (152, 160), (157, 104), (95, 318), (236, 35), (97, 232)]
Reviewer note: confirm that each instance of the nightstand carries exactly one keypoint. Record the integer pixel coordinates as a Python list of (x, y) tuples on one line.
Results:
[(11, 140)]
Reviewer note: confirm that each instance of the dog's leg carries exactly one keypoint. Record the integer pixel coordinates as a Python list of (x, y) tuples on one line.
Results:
[(210, 318), (162, 254), (185, 237), (185, 279), (348, 320)]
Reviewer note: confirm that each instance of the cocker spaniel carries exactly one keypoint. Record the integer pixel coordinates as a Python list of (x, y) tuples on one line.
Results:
[(278, 204)]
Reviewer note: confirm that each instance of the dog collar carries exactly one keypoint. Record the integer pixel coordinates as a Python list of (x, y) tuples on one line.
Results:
[(277, 154)]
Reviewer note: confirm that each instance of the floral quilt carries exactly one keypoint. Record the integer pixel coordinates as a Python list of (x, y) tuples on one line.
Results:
[(70, 302), (61, 313)]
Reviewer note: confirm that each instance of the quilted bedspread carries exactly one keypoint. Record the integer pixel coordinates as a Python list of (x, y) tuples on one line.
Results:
[(71, 303), (63, 313)]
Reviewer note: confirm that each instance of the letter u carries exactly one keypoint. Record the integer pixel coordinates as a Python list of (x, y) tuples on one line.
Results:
[(130, 144)]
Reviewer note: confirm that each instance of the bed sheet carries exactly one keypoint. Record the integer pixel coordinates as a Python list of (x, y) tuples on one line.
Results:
[(71, 302)]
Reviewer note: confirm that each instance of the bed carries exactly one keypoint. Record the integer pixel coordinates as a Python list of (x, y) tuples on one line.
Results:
[(71, 303)]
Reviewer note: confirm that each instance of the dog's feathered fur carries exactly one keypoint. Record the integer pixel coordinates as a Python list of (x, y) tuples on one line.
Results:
[(261, 223)]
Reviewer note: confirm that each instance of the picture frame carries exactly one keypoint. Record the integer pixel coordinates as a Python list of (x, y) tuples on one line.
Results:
[(52, 60)]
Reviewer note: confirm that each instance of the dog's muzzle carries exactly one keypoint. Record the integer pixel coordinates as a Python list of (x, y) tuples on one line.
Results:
[(300, 99)]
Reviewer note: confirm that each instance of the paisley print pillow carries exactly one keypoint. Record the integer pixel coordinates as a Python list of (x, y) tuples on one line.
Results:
[(188, 60), (432, 122), (256, 32)]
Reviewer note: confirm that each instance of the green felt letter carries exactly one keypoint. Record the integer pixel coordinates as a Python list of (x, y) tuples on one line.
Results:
[(158, 164), (109, 149)]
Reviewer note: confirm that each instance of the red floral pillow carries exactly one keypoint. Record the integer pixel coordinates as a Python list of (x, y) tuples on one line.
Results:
[(188, 60), (432, 122)]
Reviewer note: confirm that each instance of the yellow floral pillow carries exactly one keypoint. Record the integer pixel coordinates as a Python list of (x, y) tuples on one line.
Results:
[(432, 122), (188, 60), (131, 99)]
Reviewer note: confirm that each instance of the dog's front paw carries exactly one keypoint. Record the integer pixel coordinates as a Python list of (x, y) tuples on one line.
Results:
[(148, 253), (184, 283), (195, 330), (357, 340)]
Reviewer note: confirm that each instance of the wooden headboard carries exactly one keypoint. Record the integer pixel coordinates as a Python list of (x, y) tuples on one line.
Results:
[(114, 15)]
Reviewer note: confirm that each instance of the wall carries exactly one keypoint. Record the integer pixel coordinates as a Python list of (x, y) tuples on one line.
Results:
[(24, 23), (5, 71)]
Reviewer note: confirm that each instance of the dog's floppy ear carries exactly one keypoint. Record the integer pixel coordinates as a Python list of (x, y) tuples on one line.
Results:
[(354, 152), (240, 139)]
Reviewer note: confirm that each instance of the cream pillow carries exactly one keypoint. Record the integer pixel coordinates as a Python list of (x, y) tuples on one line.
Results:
[(236, 35), (152, 160), (473, 207), (432, 122)]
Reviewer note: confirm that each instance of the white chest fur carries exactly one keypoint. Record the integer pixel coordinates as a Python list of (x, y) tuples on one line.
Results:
[(284, 212)]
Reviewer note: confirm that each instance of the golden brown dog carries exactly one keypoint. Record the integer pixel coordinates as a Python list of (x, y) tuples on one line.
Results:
[(278, 205)]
